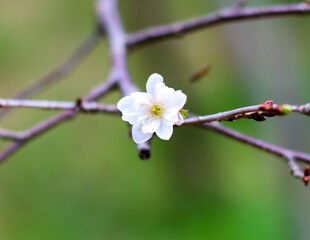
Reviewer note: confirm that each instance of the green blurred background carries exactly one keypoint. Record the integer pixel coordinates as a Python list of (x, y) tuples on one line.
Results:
[(83, 180)]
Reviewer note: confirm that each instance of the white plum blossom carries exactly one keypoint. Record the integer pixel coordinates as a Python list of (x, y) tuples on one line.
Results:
[(157, 110)]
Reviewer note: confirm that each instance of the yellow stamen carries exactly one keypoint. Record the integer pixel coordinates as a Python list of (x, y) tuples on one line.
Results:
[(155, 111)]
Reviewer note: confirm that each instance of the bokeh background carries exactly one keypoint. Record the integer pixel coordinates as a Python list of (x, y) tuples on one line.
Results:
[(83, 180)]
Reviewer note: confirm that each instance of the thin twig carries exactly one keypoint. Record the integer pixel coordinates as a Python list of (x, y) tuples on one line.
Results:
[(10, 150), (109, 18), (42, 127), (290, 155), (224, 116), (10, 135), (256, 112), (79, 105), (178, 29), (294, 168), (249, 112)]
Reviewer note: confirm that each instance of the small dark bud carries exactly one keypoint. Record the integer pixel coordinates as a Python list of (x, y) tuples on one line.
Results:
[(305, 179), (269, 114), (231, 119), (258, 118), (145, 154), (79, 103), (307, 171)]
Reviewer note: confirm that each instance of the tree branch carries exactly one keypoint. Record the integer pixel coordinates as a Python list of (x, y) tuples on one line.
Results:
[(79, 105), (109, 18), (42, 127), (290, 155), (10, 135), (256, 112), (178, 29), (10, 150)]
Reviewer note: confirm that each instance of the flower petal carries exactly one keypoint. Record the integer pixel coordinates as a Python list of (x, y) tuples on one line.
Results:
[(165, 95), (132, 108), (140, 98), (177, 104), (180, 120), (164, 131), (138, 136), (150, 126), (132, 118), (169, 121), (124, 103), (154, 79), (136, 110), (132, 111), (179, 99)]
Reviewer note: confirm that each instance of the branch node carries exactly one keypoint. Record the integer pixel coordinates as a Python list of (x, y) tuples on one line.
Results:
[(79, 105), (271, 110)]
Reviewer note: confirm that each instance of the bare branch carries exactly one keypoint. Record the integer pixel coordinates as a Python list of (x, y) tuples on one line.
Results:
[(61, 71), (290, 155), (177, 29), (224, 116), (10, 135), (256, 112), (109, 18), (79, 105), (294, 168), (10, 150), (42, 127)]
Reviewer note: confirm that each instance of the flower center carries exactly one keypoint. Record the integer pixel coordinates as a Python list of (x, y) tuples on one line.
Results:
[(154, 111), (157, 111)]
